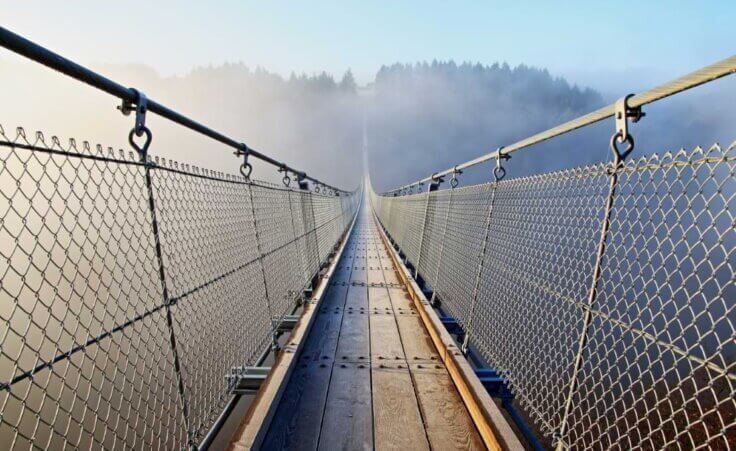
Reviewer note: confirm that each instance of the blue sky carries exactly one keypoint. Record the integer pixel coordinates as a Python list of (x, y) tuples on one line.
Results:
[(607, 45)]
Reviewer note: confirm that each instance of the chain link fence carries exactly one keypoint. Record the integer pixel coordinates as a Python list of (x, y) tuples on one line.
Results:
[(129, 290), (605, 294)]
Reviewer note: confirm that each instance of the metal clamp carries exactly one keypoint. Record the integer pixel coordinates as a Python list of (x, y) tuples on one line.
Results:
[(246, 168), (300, 179), (286, 180), (454, 181), (140, 106), (499, 172), (622, 114), (434, 185)]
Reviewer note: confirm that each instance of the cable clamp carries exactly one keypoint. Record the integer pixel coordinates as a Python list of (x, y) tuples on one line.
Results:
[(246, 168), (454, 181), (499, 172), (139, 104), (622, 113)]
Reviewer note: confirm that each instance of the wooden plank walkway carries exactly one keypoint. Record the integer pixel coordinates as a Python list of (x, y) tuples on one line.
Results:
[(369, 376)]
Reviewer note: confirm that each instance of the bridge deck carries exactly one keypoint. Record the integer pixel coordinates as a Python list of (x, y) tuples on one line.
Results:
[(369, 375)]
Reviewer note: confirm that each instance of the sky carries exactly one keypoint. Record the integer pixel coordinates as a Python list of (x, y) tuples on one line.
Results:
[(611, 46)]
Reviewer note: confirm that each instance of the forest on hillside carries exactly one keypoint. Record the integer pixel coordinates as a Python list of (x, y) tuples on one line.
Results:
[(419, 117)]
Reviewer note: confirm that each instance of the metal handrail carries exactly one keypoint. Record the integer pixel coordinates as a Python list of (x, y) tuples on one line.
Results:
[(22, 46), (691, 80)]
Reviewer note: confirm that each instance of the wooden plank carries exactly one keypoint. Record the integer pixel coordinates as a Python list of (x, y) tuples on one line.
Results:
[(348, 419), (354, 342), (385, 339), (492, 425), (400, 299), (379, 300), (418, 345), (359, 273), (397, 423), (335, 297), (298, 419), (322, 340), (253, 428), (375, 272), (448, 424), (390, 276), (357, 298)]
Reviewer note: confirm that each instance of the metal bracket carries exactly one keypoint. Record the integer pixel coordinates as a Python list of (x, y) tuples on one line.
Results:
[(499, 172), (622, 113), (139, 128), (140, 106), (455, 172), (246, 168), (285, 323), (303, 184), (247, 379), (434, 185)]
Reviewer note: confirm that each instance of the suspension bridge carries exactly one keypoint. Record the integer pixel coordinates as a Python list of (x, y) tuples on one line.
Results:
[(150, 304)]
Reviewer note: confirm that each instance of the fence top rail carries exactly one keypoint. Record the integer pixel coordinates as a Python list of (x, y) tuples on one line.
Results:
[(24, 47), (701, 76)]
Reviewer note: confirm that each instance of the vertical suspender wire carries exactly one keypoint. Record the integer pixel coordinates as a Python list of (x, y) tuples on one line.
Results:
[(435, 286), (296, 241), (274, 327), (481, 264), (424, 231), (148, 167), (614, 170), (140, 130)]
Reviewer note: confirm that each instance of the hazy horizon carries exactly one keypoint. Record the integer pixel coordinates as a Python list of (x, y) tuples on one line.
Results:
[(445, 114)]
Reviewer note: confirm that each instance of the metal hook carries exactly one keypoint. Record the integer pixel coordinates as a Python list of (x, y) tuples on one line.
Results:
[(141, 149), (246, 168), (499, 172), (623, 112), (454, 181), (139, 127), (617, 154)]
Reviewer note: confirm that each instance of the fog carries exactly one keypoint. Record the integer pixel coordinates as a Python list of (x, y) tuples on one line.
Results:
[(420, 118)]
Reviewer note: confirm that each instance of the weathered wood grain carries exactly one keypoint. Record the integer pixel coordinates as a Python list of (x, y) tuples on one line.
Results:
[(446, 419), (348, 419), (397, 423)]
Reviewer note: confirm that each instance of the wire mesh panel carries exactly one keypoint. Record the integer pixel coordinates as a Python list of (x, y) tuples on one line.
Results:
[(79, 262), (129, 291), (638, 355), (326, 223), (413, 220), (542, 242), (659, 368), (435, 225), (461, 248), (211, 260), (278, 245)]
